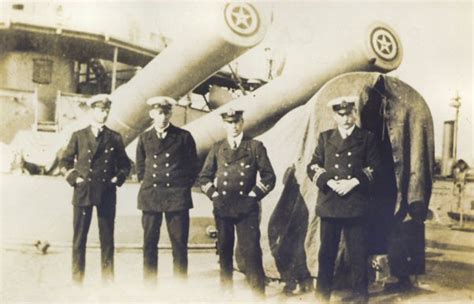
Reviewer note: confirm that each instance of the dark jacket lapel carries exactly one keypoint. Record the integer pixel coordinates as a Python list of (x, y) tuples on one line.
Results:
[(234, 155), (163, 144), (351, 141), (91, 140), (335, 139)]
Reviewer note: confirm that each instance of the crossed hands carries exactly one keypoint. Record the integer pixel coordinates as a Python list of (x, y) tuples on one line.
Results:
[(343, 187)]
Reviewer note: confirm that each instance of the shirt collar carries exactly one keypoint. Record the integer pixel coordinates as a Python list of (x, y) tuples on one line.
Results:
[(164, 130), (95, 127), (237, 139), (346, 132)]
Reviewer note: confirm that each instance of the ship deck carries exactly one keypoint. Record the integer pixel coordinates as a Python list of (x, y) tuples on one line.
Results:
[(38, 208)]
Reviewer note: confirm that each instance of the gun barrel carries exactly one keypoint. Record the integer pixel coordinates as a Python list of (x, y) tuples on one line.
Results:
[(374, 48), (187, 62)]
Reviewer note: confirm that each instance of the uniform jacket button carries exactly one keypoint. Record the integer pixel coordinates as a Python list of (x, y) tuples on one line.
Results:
[(225, 183), (89, 160), (106, 161), (336, 177), (90, 170), (241, 183), (349, 153), (167, 164), (167, 155), (167, 174), (154, 175), (89, 179), (242, 164), (349, 176), (336, 166), (337, 154), (155, 165), (167, 184), (154, 156), (349, 165), (241, 192), (242, 173), (154, 185), (225, 173), (226, 164), (224, 192), (105, 170), (103, 179)]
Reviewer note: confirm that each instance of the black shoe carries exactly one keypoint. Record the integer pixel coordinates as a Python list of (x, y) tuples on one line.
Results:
[(356, 299), (403, 285), (290, 288), (306, 285)]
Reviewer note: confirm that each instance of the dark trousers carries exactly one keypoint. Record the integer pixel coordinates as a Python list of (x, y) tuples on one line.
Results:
[(248, 234), (355, 233), (81, 222), (177, 223)]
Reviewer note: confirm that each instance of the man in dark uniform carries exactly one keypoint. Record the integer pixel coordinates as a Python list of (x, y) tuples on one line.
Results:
[(229, 179), (95, 164), (167, 166), (344, 163)]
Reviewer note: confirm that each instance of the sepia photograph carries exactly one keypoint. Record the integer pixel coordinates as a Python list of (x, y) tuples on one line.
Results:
[(157, 151)]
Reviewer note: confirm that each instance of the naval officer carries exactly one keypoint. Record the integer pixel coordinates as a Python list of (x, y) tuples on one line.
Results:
[(229, 179), (343, 165), (95, 164), (167, 167)]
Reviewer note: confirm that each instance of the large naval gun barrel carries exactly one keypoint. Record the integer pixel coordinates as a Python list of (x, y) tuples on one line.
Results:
[(232, 29), (373, 48)]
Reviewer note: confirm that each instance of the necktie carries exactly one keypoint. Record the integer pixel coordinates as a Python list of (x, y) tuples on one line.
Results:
[(99, 133), (234, 145), (160, 135)]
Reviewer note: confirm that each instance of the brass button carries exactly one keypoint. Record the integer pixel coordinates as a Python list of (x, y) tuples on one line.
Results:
[(155, 156), (242, 164), (349, 153), (106, 161), (242, 173), (226, 164), (154, 185), (167, 165), (241, 192), (103, 179), (241, 183), (154, 175), (167, 184), (349, 165), (167, 155), (155, 166), (89, 151), (336, 166), (225, 183), (336, 177), (90, 170), (349, 176), (167, 174), (337, 155), (89, 160), (224, 192), (89, 179), (225, 173), (105, 170)]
